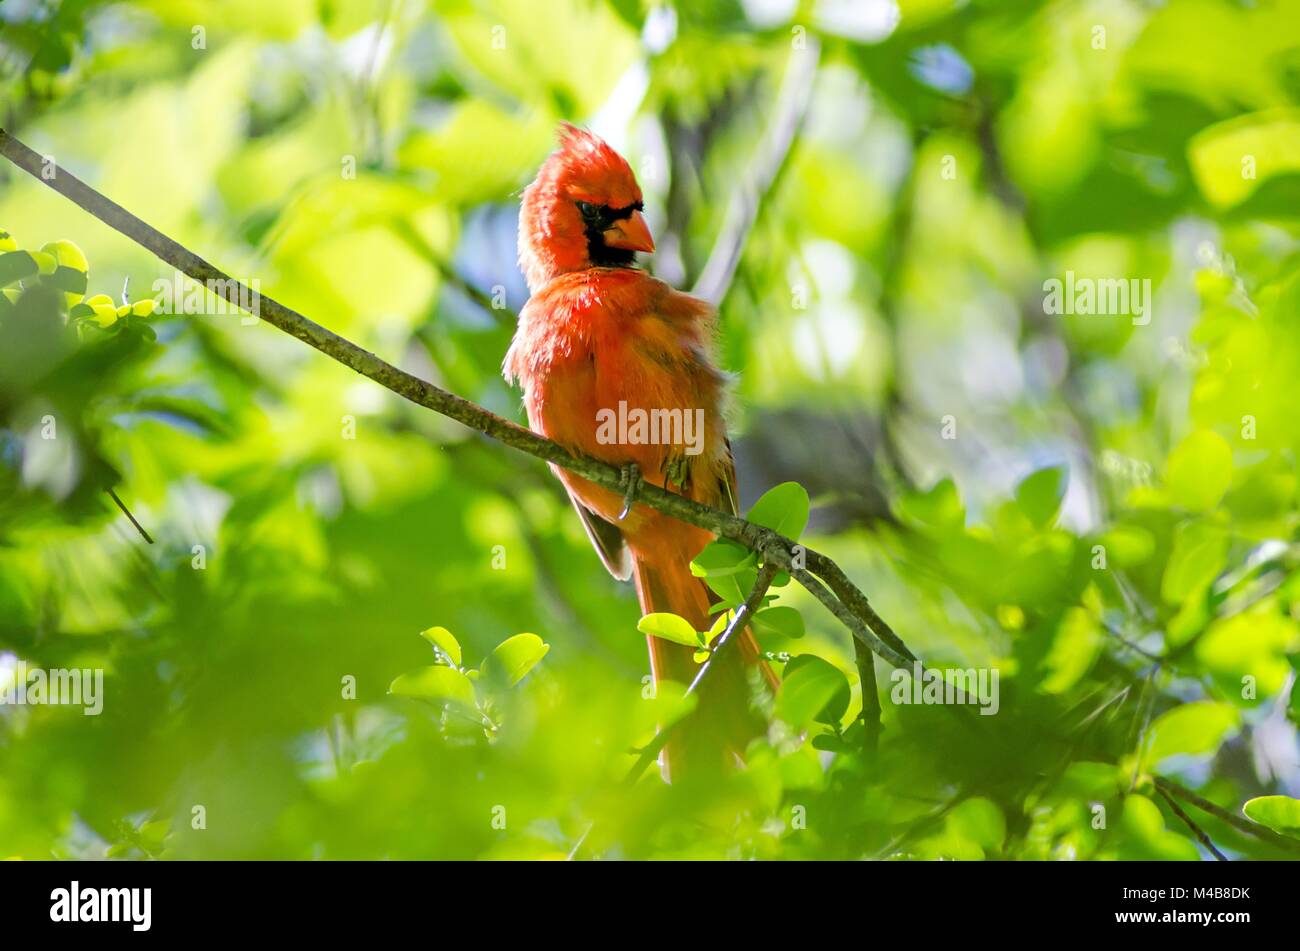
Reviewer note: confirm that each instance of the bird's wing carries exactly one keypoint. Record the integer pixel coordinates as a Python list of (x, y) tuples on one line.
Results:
[(607, 539)]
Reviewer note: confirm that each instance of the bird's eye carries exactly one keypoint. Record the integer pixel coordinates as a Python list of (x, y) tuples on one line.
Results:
[(589, 211)]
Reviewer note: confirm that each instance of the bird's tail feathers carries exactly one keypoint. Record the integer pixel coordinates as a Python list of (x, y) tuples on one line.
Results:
[(725, 720)]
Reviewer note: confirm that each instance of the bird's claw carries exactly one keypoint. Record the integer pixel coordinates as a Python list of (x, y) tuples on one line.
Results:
[(676, 471), (631, 477)]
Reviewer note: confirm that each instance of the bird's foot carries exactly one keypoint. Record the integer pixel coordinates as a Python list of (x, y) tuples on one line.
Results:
[(676, 471), (630, 477)]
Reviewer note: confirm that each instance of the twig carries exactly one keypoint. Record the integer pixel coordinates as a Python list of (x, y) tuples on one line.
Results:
[(1119, 636), (1239, 823), (1141, 720), (1187, 820), (127, 512), (870, 715), (851, 619), (856, 601), (741, 617), (742, 210), (847, 603)]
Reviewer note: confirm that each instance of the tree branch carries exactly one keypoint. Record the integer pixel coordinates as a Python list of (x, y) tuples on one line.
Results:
[(847, 603), (1197, 831), (870, 715), (1170, 788), (127, 512)]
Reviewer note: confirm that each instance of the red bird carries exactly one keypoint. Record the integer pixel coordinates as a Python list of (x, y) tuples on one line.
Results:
[(599, 339)]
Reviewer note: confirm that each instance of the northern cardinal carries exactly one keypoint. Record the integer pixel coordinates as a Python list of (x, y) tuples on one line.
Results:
[(599, 337)]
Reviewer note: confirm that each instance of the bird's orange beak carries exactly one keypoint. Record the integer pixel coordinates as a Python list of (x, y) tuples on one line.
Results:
[(631, 234)]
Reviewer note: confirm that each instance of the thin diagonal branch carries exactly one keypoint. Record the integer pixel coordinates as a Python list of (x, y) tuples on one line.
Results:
[(127, 512), (856, 601), (847, 602), (1191, 824), (850, 619), (1239, 823)]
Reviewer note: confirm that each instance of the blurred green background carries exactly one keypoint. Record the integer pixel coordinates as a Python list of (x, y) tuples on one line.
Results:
[(362, 160)]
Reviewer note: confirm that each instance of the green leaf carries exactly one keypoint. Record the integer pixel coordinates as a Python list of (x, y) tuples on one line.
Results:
[(1197, 558), (1253, 644), (15, 266), (722, 557), (939, 507), (1279, 813), (1144, 834), (514, 657), (812, 688), (670, 627), (1199, 471), (1077, 643), (781, 621), (67, 254), (1092, 780), (715, 630), (153, 834), (434, 683), (980, 821), (1193, 728), (733, 589), (829, 743), (1271, 139), (442, 639), (1127, 545), (46, 263), (782, 508), (1040, 494), (68, 279)]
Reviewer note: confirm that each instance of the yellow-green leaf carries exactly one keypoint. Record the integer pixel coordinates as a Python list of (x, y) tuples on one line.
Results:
[(434, 683), (443, 640), (1199, 471), (514, 657), (720, 558), (1193, 728), (781, 621), (670, 627), (1279, 813), (812, 689)]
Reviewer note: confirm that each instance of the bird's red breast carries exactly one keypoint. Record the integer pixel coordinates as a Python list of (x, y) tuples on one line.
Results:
[(604, 338)]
